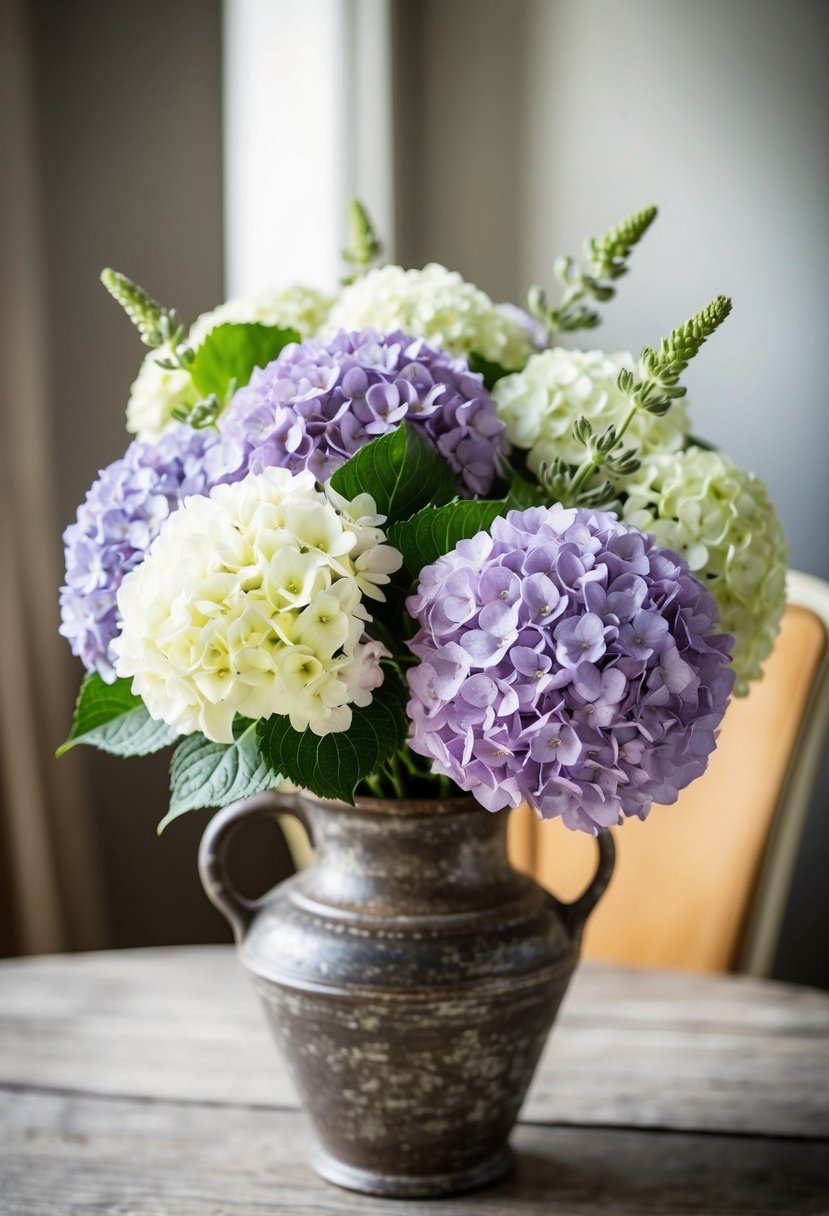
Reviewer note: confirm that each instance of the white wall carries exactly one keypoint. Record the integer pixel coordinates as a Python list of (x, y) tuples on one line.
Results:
[(717, 112), (525, 125)]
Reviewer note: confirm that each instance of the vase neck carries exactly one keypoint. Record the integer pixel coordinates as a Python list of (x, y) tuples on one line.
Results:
[(383, 857)]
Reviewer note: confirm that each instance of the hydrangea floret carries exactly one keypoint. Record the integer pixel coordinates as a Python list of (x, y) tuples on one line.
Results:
[(436, 304), (298, 307), (568, 661), (121, 516), (720, 519), (252, 602), (319, 402)]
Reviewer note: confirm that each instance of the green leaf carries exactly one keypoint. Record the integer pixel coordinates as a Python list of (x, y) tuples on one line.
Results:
[(491, 372), (229, 353), (401, 471), (111, 717), (331, 766), (433, 531), (430, 533), (204, 773)]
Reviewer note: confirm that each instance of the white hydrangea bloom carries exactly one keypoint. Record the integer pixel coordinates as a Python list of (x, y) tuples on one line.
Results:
[(540, 404), (156, 391), (720, 519), (298, 307), (436, 304), (251, 602), (154, 395)]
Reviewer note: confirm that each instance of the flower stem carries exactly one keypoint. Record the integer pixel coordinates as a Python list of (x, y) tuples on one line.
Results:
[(605, 259)]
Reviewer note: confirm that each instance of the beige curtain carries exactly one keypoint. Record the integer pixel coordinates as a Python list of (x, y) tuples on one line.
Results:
[(49, 898)]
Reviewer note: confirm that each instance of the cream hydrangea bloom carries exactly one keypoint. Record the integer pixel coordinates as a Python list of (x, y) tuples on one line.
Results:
[(154, 395), (720, 519), (157, 391), (436, 304), (540, 404), (250, 601), (298, 307)]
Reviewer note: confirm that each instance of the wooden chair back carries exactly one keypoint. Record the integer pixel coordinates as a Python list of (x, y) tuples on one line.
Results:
[(702, 884)]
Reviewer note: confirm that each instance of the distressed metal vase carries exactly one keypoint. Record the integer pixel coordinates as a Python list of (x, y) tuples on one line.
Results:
[(410, 976)]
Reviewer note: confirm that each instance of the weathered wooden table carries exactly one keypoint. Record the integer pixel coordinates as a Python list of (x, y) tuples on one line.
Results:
[(143, 1082)]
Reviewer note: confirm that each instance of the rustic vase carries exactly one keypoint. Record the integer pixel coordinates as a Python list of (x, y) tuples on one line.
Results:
[(410, 976)]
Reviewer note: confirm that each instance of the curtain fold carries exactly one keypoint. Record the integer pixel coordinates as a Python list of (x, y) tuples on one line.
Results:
[(47, 865)]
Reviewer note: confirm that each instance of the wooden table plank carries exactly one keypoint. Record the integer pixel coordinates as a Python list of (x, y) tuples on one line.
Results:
[(67, 1156), (630, 1049)]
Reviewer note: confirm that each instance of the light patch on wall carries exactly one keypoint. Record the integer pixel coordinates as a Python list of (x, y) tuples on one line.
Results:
[(307, 122)]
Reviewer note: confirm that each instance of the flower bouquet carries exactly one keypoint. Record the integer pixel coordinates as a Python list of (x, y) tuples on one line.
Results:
[(401, 554), (400, 539)]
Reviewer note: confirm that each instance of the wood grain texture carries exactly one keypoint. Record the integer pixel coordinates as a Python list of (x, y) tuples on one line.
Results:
[(683, 882), (630, 1048), (76, 1156)]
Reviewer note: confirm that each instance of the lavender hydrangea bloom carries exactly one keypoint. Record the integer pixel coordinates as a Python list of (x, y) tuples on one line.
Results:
[(120, 517), (568, 661), (317, 403)]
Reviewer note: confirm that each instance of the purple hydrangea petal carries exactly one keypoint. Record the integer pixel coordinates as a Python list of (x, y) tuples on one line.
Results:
[(318, 403), (116, 524), (568, 661)]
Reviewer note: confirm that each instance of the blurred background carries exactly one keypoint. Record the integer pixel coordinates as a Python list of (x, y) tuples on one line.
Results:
[(207, 149)]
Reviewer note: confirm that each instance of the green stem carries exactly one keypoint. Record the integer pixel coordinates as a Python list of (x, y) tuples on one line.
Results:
[(598, 458), (405, 757), (388, 775), (584, 470), (395, 777), (631, 414), (375, 785)]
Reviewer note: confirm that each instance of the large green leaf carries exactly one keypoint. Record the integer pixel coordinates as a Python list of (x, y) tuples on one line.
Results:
[(204, 773), (332, 765), (401, 471), (433, 531), (111, 717), (229, 353), (430, 533)]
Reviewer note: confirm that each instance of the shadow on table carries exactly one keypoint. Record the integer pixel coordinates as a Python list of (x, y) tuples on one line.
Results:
[(580, 1170)]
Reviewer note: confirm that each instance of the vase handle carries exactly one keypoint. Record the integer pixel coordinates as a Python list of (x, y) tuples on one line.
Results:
[(575, 914), (221, 892)]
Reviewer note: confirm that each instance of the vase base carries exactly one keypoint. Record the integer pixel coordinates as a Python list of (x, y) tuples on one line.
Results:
[(411, 1186)]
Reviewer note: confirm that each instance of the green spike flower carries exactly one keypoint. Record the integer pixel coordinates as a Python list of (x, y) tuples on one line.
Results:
[(664, 367), (609, 252), (605, 259), (156, 326), (363, 245), (653, 390)]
